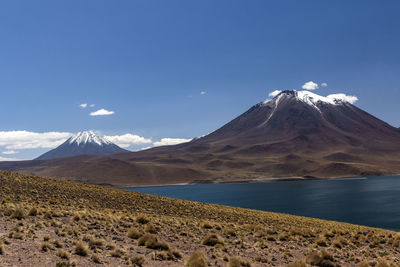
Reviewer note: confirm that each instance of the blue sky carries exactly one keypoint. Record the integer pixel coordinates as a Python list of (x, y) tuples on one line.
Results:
[(148, 62)]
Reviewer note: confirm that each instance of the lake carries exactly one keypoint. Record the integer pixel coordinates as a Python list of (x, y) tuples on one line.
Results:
[(371, 201)]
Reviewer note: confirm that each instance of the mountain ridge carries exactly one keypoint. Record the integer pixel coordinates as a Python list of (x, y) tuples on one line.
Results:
[(292, 136)]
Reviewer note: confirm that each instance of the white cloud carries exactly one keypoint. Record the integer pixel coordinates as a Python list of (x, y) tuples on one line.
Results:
[(171, 141), (92, 105), (343, 97), (29, 140), (126, 140), (310, 85), (324, 84), (83, 105), (101, 112), (8, 159), (203, 92), (9, 152), (274, 93)]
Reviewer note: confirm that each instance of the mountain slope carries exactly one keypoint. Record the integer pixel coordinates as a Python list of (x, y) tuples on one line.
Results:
[(295, 135), (83, 143)]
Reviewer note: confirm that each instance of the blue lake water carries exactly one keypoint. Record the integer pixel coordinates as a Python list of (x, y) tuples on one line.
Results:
[(372, 201)]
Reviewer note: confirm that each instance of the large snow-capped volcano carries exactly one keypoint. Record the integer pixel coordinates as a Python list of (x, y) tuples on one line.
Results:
[(83, 143)]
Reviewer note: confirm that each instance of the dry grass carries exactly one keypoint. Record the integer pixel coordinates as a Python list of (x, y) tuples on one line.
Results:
[(197, 259), (118, 228), (81, 249)]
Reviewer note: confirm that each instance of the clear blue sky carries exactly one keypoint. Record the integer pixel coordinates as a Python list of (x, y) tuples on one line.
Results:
[(149, 60)]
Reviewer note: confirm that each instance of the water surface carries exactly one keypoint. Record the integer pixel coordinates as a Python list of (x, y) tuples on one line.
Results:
[(372, 201)]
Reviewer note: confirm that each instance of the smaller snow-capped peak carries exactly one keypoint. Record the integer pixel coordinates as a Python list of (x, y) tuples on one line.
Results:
[(85, 137)]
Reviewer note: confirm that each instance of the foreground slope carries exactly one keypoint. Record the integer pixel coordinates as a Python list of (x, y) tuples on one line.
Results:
[(45, 221), (295, 135)]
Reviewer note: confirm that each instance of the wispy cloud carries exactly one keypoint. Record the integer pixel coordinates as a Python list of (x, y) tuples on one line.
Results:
[(92, 105), (324, 84), (126, 140), (13, 140), (171, 141), (8, 159), (203, 92), (274, 93), (101, 112), (83, 105), (310, 86), (343, 97), (9, 152)]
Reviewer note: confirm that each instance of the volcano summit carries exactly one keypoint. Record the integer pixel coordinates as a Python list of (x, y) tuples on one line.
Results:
[(83, 143)]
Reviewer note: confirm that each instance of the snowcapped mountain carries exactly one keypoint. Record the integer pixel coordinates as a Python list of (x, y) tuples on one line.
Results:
[(302, 117), (83, 143), (297, 134)]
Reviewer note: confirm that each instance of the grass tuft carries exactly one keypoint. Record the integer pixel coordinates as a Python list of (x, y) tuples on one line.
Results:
[(197, 259), (212, 240), (81, 249)]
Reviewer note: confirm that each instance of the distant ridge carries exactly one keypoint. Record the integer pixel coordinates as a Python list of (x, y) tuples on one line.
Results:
[(295, 135), (83, 143)]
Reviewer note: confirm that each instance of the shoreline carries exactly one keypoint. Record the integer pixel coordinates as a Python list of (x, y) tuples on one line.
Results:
[(266, 180)]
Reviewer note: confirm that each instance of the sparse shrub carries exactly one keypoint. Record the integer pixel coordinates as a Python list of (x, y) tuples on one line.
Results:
[(46, 238), (33, 211), (229, 232), (197, 259), (207, 225), (150, 241), (18, 214), (146, 238), (118, 253), (48, 215), (363, 264), (142, 219), (81, 249), (57, 244), (384, 263), (283, 237), (212, 240), (337, 244), (137, 261), (46, 246), (326, 256), (134, 233), (163, 255), (96, 259), (321, 241), (301, 263), (8, 211), (96, 243), (271, 238), (62, 254), (16, 235), (177, 254), (150, 228), (110, 246), (1, 248), (238, 262), (322, 259), (76, 217)]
